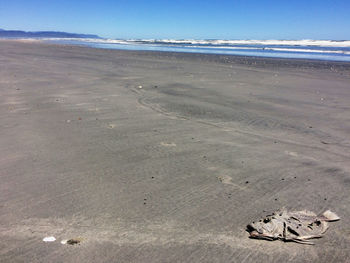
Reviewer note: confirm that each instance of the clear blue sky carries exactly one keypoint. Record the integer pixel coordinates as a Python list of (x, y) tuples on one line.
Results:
[(226, 19)]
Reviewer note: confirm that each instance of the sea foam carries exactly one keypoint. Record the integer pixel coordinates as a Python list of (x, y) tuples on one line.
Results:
[(307, 48)]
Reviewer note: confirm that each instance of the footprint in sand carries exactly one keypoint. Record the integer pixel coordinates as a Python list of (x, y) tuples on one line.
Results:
[(225, 179)]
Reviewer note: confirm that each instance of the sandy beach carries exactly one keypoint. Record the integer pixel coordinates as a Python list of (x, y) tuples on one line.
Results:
[(166, 157)]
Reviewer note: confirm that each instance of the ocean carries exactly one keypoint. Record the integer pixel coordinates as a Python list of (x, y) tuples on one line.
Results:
[(299, 49)]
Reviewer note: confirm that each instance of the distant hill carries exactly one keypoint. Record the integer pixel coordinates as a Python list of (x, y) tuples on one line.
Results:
[(18, 33)]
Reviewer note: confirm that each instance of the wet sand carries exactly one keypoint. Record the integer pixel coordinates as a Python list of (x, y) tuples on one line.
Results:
[(166, 157)]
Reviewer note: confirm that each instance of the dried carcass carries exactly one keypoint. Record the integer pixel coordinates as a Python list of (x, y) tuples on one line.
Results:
[(297, 226)]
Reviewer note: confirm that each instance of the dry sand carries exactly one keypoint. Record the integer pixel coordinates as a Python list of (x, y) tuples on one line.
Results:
[(166, 157)]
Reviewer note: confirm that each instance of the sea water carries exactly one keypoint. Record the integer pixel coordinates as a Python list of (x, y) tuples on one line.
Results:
[(301, 49)]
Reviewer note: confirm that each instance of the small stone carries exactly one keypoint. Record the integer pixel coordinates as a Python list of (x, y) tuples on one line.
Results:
[(73, 241)]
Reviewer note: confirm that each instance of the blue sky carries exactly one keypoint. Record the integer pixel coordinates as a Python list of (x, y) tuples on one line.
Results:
[(241, 19)]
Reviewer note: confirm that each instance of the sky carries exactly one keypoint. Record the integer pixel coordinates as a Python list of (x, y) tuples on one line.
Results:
[(183, 19)]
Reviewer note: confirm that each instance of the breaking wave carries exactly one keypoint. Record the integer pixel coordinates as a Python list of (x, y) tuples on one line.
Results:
[(307, 48)]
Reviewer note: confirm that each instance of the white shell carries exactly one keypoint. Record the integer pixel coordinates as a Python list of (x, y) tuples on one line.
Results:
[(49, 239)]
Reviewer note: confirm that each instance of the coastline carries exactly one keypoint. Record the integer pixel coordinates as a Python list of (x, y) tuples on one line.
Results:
[(146, 155), (272, 50)]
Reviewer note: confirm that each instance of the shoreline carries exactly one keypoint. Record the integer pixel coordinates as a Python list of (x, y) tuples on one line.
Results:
[(288, 62), (247, 57)]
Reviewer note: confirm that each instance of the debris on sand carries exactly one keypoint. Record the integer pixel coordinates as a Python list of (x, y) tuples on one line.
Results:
[(168, 144), (49, 239), (296, 226), (73, 241)]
